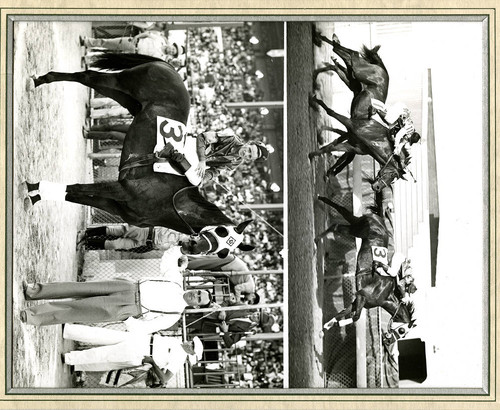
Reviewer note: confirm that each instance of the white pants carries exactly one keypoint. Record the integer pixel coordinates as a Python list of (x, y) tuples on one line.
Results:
[(120, 350)]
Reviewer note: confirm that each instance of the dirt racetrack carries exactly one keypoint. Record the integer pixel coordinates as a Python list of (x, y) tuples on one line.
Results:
[(47, 144), (305, 277)]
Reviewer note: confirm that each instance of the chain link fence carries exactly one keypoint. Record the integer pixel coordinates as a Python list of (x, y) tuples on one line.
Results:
[(339, 345)]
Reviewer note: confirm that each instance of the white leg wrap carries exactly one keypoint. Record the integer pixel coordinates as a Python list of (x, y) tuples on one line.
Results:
[(345, 322), (328, 325), (52, 191)]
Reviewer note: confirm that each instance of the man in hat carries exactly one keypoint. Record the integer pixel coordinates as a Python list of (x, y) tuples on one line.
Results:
[(243, 286), (120, 350), (146, 306), (150, 43), (234, 328), (218, 150), (125, 236)]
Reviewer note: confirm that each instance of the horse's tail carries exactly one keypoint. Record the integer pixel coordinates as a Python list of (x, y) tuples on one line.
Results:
[(346, 214), (371, 55), (121, 61)]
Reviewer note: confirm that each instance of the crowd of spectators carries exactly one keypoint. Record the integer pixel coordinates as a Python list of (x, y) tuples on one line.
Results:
[(217, 75), (264, 362)]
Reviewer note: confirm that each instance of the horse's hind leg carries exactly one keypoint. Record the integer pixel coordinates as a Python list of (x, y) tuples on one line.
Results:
[(319, 134), (107, 84)]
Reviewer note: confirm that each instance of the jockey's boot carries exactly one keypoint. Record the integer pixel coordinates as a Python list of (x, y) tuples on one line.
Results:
[(179, 162), (95, 243)]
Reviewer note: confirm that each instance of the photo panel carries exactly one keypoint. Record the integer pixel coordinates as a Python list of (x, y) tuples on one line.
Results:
[(380, 259), (147, 204)]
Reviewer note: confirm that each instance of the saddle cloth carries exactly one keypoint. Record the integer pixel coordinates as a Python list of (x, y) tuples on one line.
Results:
[(380, 254), (168, 130)]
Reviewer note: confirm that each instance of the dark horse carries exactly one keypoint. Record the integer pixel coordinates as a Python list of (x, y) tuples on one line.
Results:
[(372, 288), (366, 76), (368, 137), (148, 88)]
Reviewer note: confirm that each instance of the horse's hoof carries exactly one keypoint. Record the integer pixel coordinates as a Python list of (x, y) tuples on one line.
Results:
[(316, 38), (22, 189), (30, 84), (27, 204), (311, 156), (316, 85), (313, 101)]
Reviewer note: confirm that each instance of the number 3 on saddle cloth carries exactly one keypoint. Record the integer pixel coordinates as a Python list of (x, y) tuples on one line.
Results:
[(380, 260), (176, 151)]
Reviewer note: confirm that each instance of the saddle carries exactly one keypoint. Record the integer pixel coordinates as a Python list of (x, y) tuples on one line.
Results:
[(174, 152)]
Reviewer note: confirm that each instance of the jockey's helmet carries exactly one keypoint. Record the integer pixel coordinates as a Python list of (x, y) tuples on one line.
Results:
[(414, 138)]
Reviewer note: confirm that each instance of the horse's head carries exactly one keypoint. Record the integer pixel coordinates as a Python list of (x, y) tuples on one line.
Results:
[(219, 240), (386, 177), (401, 323)]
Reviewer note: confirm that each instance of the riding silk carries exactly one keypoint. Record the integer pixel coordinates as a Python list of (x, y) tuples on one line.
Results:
[(174, 132)]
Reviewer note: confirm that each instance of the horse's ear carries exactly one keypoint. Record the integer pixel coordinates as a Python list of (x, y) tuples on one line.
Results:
[(375, 49), (223, 253), (241, 227), (245, 248)]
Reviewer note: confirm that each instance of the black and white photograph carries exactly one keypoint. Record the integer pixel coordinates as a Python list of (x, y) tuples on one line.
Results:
[(147, 220), (246, 206), (388, 128)]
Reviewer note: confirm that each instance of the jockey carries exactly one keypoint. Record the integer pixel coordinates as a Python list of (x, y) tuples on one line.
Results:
[(400, 269), (216, 150), (397, 118), (125, 236), (224, 150)]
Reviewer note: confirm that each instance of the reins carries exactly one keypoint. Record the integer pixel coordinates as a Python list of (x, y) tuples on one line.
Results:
[(140, 161), (251, 210)]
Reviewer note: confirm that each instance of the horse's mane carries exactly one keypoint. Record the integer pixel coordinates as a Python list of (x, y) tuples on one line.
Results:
[(122, 61), (371, 55), (196, 211), (410, 306)]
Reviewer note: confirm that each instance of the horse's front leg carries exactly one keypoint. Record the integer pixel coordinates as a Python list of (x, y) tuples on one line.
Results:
[(319, 135)]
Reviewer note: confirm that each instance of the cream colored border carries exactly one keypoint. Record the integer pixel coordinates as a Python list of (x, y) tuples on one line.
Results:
[(305, 398)]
